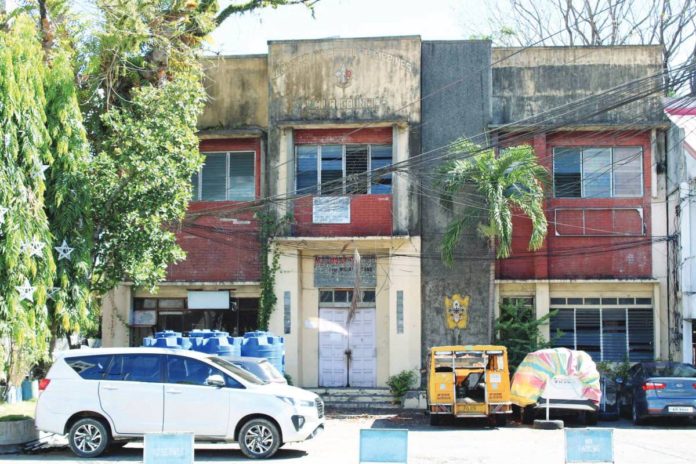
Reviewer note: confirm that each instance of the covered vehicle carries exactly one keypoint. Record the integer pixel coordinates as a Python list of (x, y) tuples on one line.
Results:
[(566, 381), (260, 367), (469, 381), (659, 389)]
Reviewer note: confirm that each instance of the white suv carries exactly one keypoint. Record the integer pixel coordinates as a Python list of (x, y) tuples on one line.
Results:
[(104, 397)]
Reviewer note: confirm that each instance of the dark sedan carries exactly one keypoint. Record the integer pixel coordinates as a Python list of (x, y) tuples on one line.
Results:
[(660, 389)]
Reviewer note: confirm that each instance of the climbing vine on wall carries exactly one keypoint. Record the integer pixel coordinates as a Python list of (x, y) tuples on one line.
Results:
[(270, 225)]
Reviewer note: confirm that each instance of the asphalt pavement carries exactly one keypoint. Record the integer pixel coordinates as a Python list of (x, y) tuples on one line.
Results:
[(457, 442)]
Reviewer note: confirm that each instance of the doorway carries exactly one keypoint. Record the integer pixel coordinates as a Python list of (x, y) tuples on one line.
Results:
[(347, 352)]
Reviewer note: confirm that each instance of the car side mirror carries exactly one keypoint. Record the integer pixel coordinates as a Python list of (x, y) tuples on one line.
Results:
[(215, 380)]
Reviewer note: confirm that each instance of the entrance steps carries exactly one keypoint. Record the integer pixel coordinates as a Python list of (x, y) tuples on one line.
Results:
[(357, 398), (361, 398)]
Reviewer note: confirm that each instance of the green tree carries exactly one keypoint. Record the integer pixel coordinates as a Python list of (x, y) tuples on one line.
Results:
[(27, 268), (518, 330), (509, 184)]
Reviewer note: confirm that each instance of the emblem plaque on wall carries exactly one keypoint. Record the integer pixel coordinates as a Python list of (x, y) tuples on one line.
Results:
[(457, 311)]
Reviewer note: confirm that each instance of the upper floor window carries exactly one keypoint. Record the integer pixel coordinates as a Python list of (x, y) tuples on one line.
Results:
[(225, 176), (598, 172), (323, 169)]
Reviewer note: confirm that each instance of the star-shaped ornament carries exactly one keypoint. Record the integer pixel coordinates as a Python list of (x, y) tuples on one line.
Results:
[(52, 292), (35, 247), (63, 250), (26, 291), (42, 171)]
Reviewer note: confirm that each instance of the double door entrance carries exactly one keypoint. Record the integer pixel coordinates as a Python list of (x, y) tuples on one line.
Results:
[(347, 351)]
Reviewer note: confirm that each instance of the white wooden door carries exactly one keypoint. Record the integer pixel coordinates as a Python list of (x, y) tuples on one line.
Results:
[(333, 342), (361, 341), (335, 338)]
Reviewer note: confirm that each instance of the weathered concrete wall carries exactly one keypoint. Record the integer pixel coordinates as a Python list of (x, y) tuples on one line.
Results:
[(345, 83), (527, 83), (237, 87), (450, 112)]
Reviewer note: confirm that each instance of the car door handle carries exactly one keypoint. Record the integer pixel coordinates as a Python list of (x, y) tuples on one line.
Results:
[(108, 387), (174, 392)]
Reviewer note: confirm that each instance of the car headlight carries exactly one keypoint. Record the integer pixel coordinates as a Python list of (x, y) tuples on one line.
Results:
[(306, 403), (287, 399)]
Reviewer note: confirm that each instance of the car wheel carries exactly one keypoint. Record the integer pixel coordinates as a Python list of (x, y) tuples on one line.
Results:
[(528, 415), (259, 438), (88, 437), (637, 420)]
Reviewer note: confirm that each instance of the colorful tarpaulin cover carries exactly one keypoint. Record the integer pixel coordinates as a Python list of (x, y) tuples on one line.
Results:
[(541, 366)]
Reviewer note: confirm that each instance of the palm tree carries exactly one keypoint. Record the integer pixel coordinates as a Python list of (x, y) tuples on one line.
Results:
[(510, 184)]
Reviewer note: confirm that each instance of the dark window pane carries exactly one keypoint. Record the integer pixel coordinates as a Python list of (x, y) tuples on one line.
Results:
[(626, 301), (194, 186), (591, 301), (213, 177), (596, 172), (574, 301), (341, 296), (307, 169), (242, 185), (640, 334), (381, 157), (356, 163), (628, 172), (368, 296), (587, 332), (189, 371), (558, 301), (567, 172), (614, 335), (331, 169), (326, 296), (135, 368), (90, 367), (642, 301), (610, 301), (563, 329)]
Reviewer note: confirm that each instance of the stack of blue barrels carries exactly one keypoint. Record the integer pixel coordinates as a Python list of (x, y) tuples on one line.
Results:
[(265, 345), (254, 344)]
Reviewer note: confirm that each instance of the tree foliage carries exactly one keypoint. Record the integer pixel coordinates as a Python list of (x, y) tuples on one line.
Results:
[(520, 332), (511, 183)]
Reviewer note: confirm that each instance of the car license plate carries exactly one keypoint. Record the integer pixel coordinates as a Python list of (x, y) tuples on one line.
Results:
[(680, 409)]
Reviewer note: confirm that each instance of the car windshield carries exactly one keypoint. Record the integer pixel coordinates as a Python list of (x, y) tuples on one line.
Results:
[(238, 371), (670, 370), (261, 369)]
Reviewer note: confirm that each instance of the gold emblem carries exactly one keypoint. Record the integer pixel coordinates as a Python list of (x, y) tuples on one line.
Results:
[(457, 311)]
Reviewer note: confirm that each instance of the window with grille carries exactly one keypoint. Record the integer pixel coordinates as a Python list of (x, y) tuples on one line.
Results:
[(598, 172), (608, 329), (225, 176), (343, 169)]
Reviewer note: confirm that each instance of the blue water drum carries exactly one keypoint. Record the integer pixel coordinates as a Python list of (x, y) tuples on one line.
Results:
[(261, 344), (27, 393)]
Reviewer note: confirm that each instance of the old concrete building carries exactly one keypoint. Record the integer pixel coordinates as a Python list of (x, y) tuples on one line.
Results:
[(316, 126), (594, 118)]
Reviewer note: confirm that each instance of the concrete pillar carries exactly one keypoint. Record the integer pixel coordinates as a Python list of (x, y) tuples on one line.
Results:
[(287, 280), (116, 316), (400, 203), (687, 342), (541, 306), (659, 323)]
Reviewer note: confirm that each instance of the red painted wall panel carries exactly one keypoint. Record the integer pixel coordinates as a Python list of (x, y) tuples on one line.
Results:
[(378, 135), (369, 215), (592, 256), (221, 238)]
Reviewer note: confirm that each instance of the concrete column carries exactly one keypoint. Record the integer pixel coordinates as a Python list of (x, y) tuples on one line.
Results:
[(541, 306), (285, 169), (116, 316), (659, 322), (287, 280), (400, 203)]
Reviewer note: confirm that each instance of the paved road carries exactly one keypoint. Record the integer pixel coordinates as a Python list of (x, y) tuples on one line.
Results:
[(461, 442)]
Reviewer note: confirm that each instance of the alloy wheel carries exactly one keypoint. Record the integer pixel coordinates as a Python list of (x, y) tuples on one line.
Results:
[(258, 439), (88, 438)]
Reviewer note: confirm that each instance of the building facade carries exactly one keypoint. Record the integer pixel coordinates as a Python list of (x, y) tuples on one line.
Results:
[(343, 138)]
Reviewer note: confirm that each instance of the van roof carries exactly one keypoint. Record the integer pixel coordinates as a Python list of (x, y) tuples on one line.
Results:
[(134, 350)]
